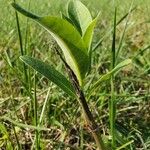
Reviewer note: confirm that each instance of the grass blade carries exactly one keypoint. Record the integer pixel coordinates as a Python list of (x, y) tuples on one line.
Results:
[(109, 32), (112, 102), (21, 45), (124, 30)]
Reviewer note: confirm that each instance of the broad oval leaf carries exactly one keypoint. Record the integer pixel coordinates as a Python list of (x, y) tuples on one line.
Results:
[(80, 15), (68, 38), (51, 73)]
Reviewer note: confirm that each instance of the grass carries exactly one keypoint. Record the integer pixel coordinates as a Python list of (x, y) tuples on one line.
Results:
[(60, 125)]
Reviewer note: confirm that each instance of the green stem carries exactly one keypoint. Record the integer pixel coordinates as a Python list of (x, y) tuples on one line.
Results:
[(36, 114), (112, 108), (92, 126)]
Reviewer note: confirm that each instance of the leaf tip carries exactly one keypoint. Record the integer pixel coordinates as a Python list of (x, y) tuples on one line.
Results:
[(23, 11)]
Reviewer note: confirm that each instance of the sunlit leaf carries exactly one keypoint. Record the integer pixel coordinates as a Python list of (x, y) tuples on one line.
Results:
[(68, 38), (51, 73), (66, 18), (88, 35), (80, 15)]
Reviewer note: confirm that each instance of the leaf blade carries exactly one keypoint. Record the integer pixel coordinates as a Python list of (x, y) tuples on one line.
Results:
[(87, 37), (80, 15), (50, 73)]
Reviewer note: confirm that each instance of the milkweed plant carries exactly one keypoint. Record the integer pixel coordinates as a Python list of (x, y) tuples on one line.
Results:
[(73, 33)]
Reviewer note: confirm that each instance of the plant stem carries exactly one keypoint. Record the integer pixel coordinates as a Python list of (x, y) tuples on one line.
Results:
[(91, 124)]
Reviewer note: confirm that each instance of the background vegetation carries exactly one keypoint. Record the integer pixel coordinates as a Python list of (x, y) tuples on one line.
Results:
[(62, 126)]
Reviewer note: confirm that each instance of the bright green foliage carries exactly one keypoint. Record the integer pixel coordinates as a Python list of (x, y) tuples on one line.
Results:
[(70, 42), (51, 73), (66, 18), (74, 46), (88, 35), (79, 15)]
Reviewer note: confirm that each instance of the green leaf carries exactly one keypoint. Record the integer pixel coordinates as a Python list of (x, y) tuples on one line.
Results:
[(24, 12), (88, 35), (80, 15), (109, 74), (51, 73), (66, 18), (68, 38)]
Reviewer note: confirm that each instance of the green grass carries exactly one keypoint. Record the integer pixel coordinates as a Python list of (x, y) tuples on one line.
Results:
[(60, 125)]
